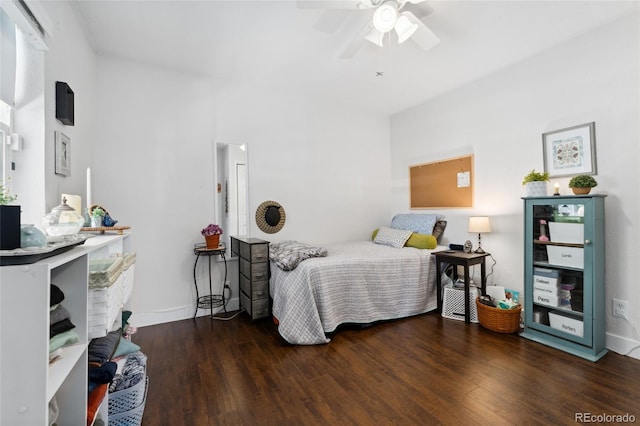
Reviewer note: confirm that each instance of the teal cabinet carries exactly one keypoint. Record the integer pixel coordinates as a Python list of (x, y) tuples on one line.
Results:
[(564, 276)]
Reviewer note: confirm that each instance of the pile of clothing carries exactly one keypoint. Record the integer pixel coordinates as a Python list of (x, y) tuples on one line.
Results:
[(61, 331)]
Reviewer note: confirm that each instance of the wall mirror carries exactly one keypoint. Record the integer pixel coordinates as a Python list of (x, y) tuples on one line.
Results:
[(231, 189)]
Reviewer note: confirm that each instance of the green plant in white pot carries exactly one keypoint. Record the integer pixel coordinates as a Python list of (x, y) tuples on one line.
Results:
[(535, 183)]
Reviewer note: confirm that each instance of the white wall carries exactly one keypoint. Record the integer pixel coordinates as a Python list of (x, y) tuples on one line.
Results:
[(500, 120), (68, 59), (328, 166)]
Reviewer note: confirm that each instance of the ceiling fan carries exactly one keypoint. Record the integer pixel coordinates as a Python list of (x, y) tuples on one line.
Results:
[(388, 16)]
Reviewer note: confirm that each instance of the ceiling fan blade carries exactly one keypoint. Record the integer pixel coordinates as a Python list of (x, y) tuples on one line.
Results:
[(332, 4), (357, 42), (330, 21), (423, 37), (420, 9)]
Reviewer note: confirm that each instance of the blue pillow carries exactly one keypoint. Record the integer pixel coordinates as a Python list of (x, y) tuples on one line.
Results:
[(421, 223)]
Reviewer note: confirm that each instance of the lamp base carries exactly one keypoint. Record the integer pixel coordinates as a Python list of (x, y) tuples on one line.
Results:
[(479, 250)]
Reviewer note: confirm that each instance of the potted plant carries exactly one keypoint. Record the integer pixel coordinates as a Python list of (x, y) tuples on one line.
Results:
[(97, 214), (582, 184), (9, 221), (212, 234), (535, 183)]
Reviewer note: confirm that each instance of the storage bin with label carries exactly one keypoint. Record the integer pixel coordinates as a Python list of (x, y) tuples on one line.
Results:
[(566, 324), (572, 257), (571, 233)]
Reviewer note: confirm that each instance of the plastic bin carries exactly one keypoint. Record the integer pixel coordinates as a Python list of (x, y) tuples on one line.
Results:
[(132, 417), (104, 272)]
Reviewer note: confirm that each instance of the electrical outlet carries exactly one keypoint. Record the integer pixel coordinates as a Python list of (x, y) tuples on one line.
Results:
[(620, 308)]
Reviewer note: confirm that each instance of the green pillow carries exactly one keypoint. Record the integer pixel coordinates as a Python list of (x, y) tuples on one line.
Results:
[(125, 347), (422, 241), (373, 235)]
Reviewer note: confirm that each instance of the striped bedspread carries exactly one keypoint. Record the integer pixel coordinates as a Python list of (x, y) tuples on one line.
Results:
[(358, 282)]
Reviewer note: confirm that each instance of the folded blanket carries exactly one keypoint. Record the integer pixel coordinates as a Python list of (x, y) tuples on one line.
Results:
[(288, 254), (60, 327), (101, 349), (56, 295), (67, 338), (103, 374), (58, 314), (94, 401)]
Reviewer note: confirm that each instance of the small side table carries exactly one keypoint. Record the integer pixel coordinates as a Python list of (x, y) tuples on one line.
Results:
[(455, 257), (210, 300)]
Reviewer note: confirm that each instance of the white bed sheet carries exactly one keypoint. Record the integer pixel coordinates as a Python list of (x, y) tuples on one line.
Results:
[(358, 282)]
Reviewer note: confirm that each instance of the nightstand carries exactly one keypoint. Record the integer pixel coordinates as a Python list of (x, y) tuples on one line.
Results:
[(454, 257), (253, 260)]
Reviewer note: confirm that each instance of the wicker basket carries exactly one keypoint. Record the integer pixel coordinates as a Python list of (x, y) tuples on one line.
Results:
[(499, 320)]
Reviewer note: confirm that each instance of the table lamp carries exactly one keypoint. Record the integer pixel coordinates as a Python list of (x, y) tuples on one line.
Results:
[(479, 225)]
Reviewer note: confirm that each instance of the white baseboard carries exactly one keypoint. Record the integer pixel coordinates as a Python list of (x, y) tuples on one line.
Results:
[(623, 345), (143, 319)]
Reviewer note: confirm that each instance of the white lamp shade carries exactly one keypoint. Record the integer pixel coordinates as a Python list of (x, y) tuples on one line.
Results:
[(479, 225), (375, 37), (385, 17), (404, 28)]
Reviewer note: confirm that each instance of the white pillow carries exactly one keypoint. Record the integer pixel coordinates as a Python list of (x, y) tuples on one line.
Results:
[(392, 237)]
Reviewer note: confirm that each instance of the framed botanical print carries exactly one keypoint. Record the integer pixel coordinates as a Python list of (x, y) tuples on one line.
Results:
[(570, 151)]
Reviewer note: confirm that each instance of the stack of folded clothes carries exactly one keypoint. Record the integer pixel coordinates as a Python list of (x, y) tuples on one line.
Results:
[(101, 370), (61, 331)]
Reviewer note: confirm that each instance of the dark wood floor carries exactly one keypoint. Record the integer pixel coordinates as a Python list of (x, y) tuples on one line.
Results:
[(420, 370)]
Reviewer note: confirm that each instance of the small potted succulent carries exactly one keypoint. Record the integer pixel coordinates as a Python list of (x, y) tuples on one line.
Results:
[(535, 183), (582, 184), (212, 235), (97, 214)]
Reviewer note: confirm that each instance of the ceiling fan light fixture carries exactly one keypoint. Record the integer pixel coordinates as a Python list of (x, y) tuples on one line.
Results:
[(404, 29), (385, 17), (375, 37)]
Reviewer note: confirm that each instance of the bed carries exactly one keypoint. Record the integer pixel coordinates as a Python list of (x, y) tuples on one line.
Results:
[(355, 282)]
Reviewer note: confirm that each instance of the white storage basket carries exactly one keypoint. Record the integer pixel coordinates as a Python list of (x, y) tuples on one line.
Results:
[(127, 398), (453, 304)]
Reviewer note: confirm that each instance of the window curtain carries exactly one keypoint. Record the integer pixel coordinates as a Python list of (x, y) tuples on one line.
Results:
[(7, 59)]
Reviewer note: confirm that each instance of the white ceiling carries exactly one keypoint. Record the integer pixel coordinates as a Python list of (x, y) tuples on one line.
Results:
[(275, 43)]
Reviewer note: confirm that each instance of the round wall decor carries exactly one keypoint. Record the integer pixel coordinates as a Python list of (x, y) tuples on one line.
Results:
[(270, 217)]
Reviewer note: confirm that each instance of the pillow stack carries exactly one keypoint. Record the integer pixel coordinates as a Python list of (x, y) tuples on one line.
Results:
[(422, 231)]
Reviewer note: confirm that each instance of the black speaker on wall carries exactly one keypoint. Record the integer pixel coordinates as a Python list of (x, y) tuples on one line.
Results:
[(64, 103)]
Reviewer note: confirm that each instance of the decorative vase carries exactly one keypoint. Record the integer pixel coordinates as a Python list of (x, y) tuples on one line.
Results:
[(213, 241), (30, 236), (536, 189), (581, 191)]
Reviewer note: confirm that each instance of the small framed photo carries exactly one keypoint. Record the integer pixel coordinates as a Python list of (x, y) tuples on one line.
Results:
[(63, 154), (570, 151)]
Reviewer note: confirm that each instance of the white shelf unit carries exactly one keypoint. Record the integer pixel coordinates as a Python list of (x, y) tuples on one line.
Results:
[(28, 381)]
